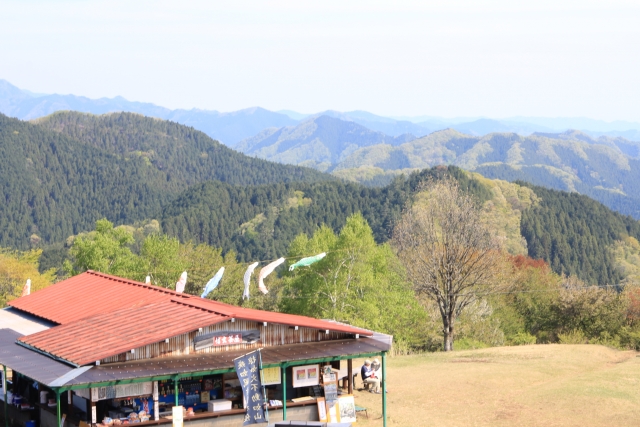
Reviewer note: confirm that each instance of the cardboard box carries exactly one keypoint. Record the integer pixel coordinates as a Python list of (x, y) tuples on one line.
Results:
[(219, 405)]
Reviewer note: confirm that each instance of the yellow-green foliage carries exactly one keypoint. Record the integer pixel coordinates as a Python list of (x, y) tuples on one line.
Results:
[(250, 226), (359, 282), (365, 174), (366, 156), (627, 255), (504, 211), (15, 268), (296, 201)]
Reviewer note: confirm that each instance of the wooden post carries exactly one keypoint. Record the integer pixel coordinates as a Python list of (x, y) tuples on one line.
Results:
[(384, 388), (350, 375), (284, 392)]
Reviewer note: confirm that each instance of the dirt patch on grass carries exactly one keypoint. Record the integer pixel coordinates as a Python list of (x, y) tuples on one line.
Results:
[(471, 360)]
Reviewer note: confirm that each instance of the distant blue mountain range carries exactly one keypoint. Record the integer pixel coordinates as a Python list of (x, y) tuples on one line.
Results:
[(228, 128), (233, 127)]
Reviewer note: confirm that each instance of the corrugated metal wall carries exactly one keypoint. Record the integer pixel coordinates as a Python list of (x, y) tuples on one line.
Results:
[(271, 335)]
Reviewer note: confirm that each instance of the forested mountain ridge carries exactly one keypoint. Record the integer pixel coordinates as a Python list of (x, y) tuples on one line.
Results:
[(59, 176), (186, 155), (318, 142), (573, 233), (259, 222), (629, 148), (53, 186), (606, 169)]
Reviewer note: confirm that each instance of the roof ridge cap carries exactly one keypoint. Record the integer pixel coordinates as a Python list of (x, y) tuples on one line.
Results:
[(195, 302), (133, 282)]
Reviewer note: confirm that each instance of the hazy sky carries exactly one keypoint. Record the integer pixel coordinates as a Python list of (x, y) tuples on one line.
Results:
[(442, 58)]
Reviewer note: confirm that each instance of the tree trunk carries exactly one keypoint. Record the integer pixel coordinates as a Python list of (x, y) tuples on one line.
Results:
[(448, 335)]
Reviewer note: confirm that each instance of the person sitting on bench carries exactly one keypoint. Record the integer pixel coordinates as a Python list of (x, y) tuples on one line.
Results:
[(375, 365), (369, 377)]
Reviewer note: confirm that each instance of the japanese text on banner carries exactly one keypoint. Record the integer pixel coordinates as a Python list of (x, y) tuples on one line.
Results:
[(248, 369)]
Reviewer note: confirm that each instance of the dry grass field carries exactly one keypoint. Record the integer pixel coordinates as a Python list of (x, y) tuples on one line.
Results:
[(540, 385)]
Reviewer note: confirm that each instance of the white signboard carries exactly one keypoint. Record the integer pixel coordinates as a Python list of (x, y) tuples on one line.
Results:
[(124, 390), (306, 376), (176, 416)]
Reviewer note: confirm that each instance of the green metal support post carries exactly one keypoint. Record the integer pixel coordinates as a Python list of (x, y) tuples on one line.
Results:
[(4, 389), (58, 406), (175, 386), (284, 392), (384, 389)]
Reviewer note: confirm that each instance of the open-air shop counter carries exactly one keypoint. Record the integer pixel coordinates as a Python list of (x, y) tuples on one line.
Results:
[(182, 355)]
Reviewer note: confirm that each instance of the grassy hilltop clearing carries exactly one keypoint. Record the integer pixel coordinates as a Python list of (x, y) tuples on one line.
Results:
[(535, 385)]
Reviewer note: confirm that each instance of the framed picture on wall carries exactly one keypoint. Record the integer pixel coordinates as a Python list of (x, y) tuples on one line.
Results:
[(305, 376), (312, 373)]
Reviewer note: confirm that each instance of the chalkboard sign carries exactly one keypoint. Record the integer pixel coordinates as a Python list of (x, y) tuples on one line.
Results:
[(317, 391)]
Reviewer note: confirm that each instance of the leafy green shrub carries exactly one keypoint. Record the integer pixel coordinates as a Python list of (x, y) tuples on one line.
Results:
[(575, 336), (403, 348), (630, 338), (608, 340), (522, 338)]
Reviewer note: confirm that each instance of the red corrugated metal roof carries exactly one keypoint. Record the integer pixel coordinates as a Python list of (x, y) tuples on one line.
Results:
[(102, 315), (272, 317), (108, 334), (88, 294)]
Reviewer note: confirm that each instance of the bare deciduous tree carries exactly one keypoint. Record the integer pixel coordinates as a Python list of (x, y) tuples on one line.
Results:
[(450, 255)]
